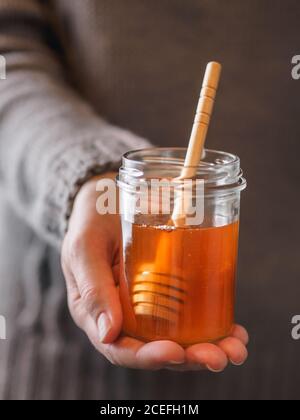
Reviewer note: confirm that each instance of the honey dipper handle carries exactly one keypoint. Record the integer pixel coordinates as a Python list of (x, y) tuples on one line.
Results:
[(202, 120), (198, 136)]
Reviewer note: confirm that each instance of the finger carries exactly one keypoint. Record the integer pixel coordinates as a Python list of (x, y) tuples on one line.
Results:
[(116, 274), (99, 294), (235, 350), (241, 334), (160, 354), (131, 353), (207, 356)]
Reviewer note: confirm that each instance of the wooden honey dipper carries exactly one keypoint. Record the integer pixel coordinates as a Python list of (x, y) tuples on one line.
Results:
[(157, 293)]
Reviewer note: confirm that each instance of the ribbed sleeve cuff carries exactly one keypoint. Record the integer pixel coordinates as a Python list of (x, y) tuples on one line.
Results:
[(74, 167)]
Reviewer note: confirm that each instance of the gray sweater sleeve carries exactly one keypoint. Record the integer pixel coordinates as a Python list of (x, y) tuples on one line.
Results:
[(51, 141)]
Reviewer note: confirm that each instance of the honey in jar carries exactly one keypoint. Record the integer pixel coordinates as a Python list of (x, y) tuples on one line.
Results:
[(178, 283)]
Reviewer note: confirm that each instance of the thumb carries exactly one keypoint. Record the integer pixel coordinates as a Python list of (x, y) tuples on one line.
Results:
[(99, 295)]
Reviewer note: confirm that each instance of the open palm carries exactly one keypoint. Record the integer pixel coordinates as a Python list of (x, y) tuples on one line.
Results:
[(91, 267)]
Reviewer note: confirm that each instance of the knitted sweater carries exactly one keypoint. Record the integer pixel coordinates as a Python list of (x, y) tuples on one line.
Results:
[(51, 138)]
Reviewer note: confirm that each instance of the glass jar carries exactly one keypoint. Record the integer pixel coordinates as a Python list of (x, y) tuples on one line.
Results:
[(178, 280)]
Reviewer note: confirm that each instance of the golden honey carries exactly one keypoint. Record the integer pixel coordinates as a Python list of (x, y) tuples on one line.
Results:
[(179, 283)]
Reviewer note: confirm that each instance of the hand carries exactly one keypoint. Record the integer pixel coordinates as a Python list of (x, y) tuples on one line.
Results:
[(90, 260)]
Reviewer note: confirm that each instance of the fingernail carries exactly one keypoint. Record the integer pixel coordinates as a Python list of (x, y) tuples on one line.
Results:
[(214, 370), (237, 364), (176, 362), (104, 326)]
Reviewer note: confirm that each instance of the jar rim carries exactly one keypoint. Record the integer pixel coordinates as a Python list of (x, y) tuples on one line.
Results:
[(219, 170), (160, 154)]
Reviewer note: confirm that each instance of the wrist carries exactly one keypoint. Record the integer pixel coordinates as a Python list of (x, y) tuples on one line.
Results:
[(91, 184), (85, 202), (89, 188)]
